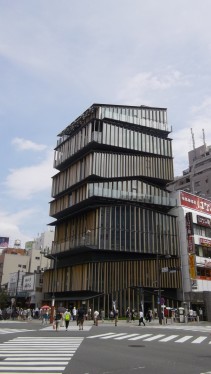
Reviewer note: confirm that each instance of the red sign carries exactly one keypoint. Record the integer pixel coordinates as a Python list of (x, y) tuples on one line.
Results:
[(191, 245), (195, 202)]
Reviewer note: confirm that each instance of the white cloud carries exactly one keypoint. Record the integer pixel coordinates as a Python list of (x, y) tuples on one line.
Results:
[(10, 225), (136, 87), (23, 145), (25, 182)]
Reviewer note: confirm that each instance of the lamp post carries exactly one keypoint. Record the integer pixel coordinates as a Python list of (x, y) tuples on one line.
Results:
[(50, 256)]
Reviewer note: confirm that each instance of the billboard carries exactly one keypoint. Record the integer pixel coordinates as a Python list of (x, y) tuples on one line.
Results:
[(195, 202), (28, 283), (4, 242)]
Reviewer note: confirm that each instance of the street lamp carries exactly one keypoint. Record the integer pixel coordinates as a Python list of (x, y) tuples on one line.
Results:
[(50, 256)]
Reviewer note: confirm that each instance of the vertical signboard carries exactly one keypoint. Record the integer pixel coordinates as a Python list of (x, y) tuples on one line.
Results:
[(190, 233), (192, 267)]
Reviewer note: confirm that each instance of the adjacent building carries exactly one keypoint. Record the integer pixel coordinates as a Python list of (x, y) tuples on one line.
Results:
[(196, 179), (194, 218), (113, 229)]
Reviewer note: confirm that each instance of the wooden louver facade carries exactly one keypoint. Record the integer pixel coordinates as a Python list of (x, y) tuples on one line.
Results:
[(110, 209)]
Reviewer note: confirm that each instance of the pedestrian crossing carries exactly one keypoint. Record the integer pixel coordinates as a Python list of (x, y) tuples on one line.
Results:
[(148, 337), (70, 328), (205, 328), (37, 355), (13, 331)]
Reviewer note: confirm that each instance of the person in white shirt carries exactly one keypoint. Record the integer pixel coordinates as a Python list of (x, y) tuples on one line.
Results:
[(141, 318), (96, 314)]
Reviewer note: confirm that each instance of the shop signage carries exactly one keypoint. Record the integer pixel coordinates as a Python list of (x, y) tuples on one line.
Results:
[(28, 283), (195, 202), (203, 221)]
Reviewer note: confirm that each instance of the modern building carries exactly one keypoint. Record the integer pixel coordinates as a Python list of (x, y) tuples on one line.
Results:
[(194, 217), (196, 179), (35, 250), (114, 234), (12, 260)]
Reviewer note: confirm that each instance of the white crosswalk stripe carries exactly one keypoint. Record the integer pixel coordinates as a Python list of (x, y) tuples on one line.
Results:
[(199, 340), (37, 355), (156, 337), (151, 337), (171, 337), (13, 331), (70, 328), (183, 339)]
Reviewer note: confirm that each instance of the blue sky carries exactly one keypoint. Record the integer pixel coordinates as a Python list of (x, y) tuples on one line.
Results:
[(58, 57)]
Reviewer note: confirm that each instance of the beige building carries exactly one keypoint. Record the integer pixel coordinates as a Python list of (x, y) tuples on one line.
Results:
[(10, 263)]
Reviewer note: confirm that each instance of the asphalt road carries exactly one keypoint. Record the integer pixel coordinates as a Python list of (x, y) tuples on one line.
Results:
[(29, 348)]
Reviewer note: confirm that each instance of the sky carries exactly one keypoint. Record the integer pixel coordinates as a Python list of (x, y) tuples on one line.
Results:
[(58, 57)]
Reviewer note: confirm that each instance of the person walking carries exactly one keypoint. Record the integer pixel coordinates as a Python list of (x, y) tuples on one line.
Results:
[(116, 314), (67, 317), (80, 318), (57, 320), (141, 318), (96, 315), (74, 313)]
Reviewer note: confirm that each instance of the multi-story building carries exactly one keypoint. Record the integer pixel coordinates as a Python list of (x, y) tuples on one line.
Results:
[(21, 270), (194, 217), (35, 250), (113, 230), (197, 178), (12, 260)]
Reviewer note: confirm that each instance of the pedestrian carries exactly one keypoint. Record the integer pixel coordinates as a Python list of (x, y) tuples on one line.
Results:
[(57, 320), (102, 315), (149, 315), (141, 318), (67, 317), (80, 318), (74, 313), (116, 314), (89, 314), (96, 315), (133, 315), (128, 315)]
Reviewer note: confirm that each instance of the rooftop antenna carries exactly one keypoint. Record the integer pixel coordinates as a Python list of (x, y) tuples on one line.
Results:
[(204, 138), (193, 138)]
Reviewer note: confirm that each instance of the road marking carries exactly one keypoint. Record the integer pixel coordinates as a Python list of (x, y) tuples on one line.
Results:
[(13, 331), (184, 339), (154, 338), (37, 356), (98, 336), (199, 340), (140, 337), (108, 337), (125, 337), (171, 337)]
